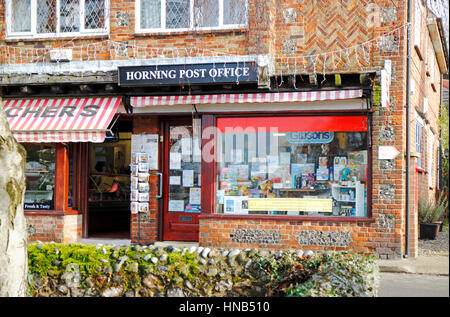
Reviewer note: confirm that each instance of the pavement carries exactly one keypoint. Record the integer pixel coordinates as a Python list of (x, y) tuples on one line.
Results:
[(428, 265), (424, 276)]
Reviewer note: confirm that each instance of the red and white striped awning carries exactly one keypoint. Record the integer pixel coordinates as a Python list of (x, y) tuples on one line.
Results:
[(150, 101), (60, 120)]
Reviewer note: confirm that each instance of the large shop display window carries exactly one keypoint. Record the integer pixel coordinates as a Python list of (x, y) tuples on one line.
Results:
[(309, 165), (40, 177)]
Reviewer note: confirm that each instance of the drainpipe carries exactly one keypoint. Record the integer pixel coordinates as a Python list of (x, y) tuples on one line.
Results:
[(408, 130)]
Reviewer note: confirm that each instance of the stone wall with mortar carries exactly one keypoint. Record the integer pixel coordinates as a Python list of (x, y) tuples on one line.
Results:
[(148, 271)]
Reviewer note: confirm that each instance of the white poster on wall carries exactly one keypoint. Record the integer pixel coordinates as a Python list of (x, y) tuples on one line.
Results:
[(148, 144)]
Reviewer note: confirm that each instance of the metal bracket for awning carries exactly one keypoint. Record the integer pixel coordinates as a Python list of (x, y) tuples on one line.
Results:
[(111, 125)]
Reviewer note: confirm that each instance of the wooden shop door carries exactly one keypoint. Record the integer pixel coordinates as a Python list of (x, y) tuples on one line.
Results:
[(181, 181)]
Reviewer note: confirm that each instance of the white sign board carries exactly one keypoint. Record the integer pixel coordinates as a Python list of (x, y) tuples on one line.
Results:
[(387, 152), (385, 84)]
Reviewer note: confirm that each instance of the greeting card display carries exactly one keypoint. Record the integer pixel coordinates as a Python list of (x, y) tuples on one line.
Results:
[(143, 207), (143, 177), (134, 207), (143, 187), (143, 167)]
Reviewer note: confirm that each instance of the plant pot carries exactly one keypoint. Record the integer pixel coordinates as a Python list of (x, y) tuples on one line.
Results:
[(441, 226), (428, 230)]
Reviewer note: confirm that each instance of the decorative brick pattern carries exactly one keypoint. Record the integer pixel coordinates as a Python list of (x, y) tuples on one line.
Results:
[(387, 133), (387, 191), (289, 47), (387, 164), (122, 18), (259, 236), (389, 44), (386, 221), (388, 14), (325, 238)]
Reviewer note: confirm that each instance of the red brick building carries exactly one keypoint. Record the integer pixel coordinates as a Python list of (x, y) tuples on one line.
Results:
[(241, 123)]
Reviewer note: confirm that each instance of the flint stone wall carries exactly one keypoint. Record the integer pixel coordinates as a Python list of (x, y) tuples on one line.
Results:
[(147, 271)]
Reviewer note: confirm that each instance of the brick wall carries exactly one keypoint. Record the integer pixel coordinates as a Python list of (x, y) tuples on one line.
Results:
[(144, 227), (425, 76), (299, 28), (363, 237), (57, 228)]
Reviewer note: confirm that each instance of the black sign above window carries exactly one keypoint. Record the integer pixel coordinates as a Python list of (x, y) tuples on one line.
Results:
[(188, 74)]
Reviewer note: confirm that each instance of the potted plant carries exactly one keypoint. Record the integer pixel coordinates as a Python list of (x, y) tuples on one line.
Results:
[(430, 214)]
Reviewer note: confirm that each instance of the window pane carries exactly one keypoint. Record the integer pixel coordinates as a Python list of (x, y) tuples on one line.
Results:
[(235, 12), (419, 143), (184, 170), (94, 14), (206, 13), (46, 16), (21, 16), (262, 171), (177, 14), (150, 14), (40, 177), (70, 15)]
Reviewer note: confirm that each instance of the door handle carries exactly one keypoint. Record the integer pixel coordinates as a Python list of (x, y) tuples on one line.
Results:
[(160, 185)]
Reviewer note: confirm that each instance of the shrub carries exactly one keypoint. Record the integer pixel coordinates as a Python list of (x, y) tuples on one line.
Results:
[(430, 212)]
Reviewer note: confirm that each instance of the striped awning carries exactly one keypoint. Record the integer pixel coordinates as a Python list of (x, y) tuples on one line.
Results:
[(60, 120), (304, 96)]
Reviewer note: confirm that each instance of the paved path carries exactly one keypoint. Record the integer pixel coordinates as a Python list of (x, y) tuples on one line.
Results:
[(413, 285)]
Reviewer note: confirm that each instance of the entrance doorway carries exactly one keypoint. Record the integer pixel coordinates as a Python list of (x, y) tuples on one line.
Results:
[(109, 185), (181, 180)]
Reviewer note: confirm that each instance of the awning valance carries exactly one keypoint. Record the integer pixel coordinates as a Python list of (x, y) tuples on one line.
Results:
[(304, 96), (60, 120)]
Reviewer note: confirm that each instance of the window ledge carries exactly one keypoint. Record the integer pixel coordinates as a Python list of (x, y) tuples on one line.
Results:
[(433, 86), (51, 212), (420, 170), (15, 39), (419, 53), (158, 34), (288, 218)]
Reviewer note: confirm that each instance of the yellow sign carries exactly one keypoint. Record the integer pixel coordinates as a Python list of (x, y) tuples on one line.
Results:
[(290, 204)]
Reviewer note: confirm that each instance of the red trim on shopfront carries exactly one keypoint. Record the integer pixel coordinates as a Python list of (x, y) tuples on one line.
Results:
[(208, 173), (299, 124), (54, 213)]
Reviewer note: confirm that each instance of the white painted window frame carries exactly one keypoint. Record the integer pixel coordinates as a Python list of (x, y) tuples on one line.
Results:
[(418, 140), (430, 157), (163, 29), (417, 23), (33, 33)]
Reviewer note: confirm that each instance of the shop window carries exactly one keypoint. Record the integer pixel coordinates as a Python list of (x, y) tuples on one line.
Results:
[(182, 15), (315, 166), (40, 177), (44, 18)]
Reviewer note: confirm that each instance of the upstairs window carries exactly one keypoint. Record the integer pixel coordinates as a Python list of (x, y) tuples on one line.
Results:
[(183, 15), (48, 18), (419, 128)]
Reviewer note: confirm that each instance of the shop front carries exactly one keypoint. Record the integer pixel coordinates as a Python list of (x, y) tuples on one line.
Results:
[(258, 169), (66, 140)]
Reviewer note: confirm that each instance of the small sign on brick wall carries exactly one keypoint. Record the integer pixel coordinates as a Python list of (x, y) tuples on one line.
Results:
[(387, 152)]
